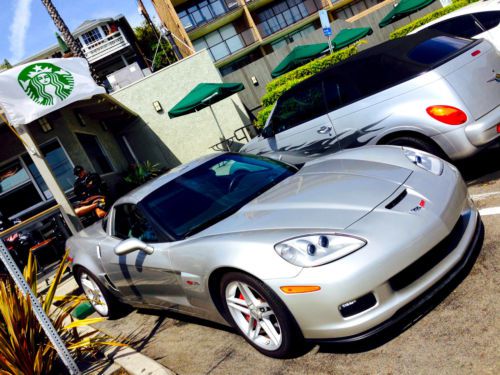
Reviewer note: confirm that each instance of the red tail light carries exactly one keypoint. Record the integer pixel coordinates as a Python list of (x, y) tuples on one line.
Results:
[(447, 114)]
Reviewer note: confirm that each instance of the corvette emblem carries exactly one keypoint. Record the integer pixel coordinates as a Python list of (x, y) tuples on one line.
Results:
[(420, 206)]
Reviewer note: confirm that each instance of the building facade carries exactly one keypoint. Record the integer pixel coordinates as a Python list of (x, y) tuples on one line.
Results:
[(238, 32), (110, 46)]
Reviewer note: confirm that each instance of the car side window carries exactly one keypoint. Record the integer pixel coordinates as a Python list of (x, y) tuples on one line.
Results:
[(488, 20), (298, 106), (462, 26), (129, 222)]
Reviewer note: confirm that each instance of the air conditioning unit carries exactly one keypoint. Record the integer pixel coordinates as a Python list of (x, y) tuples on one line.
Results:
[(125, 76)]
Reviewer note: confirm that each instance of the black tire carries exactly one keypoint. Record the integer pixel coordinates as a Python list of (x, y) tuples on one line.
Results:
[(419, 144), (115, 307), (292, 341)]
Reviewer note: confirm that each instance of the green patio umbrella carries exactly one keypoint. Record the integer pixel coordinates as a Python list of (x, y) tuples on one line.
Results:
[(349, 36), (402, 9), (62, 44), (204, 95), (298, 57)]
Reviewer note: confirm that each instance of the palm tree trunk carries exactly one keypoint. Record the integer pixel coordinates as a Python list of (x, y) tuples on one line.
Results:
[(66, 35)]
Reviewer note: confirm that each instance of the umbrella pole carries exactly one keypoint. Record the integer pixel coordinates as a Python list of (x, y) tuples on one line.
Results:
[(220, 129)]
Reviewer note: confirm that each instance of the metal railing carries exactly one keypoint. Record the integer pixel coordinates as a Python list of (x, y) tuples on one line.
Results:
[(289, 17), (105, 47)]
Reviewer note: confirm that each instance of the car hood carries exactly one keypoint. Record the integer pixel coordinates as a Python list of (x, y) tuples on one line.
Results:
[(329, 194)]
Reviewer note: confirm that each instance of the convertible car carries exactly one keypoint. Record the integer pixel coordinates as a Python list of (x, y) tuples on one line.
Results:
[(338, 250)]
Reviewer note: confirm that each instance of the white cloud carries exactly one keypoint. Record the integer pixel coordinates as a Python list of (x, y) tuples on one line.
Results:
[(19, 29)]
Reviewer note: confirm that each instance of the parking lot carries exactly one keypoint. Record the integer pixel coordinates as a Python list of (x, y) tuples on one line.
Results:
[(459, 336)]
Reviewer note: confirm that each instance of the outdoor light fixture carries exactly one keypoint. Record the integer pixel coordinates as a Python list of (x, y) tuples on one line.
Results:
[(254, 81), (81, 120), (45, 125), (157, 106), (104, 126)]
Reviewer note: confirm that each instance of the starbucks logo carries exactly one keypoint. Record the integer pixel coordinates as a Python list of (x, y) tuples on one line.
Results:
[(45, 83)]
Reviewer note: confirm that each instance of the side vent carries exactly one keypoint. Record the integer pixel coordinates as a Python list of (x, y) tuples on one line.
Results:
[(396, 200)]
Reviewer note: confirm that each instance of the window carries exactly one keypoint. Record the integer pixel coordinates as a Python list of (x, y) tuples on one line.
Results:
[(221, 42), (129, 222), (462, 26), (298, 106), (437, 49), (59, 164), (212, 191), (292, 37), (17, 191), (489, 20), (91, 36), (203, 12), (94, 151)]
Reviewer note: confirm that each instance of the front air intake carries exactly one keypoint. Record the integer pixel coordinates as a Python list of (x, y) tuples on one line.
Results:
[(357, 305)]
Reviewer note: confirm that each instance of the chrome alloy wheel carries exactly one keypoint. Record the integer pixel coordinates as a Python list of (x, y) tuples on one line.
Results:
[(94, 294), (253, 315)]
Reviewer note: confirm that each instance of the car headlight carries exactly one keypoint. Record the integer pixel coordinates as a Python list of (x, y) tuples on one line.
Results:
[(424, 160), (317, 249)]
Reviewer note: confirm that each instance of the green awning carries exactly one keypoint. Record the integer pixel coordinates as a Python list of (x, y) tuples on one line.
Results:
[(349, 36), (204, 95), (403, 9), (298, 57)]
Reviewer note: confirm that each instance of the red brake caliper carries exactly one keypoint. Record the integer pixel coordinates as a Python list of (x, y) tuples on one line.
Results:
[(247, 317)]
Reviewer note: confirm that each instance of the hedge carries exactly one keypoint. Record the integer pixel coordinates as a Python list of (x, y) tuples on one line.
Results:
[(278, 86), (402, 31)]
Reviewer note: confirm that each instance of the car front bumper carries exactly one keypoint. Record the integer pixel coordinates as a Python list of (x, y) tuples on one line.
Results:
[(413, 310), (407, 256)]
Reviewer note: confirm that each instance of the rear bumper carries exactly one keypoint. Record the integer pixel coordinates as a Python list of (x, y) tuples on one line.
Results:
[(420, 305), (484, 131)]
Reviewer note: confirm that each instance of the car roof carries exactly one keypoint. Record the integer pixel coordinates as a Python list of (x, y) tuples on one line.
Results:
[(142, 191), (398, 48), (480, 6)]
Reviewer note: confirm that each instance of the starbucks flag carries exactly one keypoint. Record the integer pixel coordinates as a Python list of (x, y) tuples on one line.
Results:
[(30, 91)]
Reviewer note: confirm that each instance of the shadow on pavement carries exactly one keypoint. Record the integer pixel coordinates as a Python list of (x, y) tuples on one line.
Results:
[(478, 169)]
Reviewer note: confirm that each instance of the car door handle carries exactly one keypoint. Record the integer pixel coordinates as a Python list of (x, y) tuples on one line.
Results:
[(324, 130)]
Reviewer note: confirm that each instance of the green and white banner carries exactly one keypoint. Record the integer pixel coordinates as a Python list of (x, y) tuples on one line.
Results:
[(32, 90)]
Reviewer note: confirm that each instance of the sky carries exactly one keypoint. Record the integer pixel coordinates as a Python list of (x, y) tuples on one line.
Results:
[(26, 28)]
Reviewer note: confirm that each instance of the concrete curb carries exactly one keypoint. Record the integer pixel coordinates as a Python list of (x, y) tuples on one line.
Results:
[(136, 363), (128, 358)]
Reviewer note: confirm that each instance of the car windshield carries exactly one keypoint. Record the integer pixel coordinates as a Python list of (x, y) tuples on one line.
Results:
[(212, 191)]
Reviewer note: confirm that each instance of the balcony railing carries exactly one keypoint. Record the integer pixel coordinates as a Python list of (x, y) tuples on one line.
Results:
[(232, 45), (288, 17), (206, 12), (105, 47)]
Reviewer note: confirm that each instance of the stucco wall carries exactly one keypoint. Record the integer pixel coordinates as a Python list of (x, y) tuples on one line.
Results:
[(189, 136)]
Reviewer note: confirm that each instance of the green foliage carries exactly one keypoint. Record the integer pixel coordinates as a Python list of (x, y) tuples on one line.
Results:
[(278, 86), (24, 347), (5, 65), (141, 173), (402, 31), (148, 43)]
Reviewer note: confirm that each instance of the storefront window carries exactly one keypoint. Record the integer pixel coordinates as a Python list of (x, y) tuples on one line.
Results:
[(59, 164), (11, 176)]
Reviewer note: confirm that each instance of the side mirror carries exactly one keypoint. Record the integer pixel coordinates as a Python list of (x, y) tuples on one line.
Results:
[(132, 244), (267, 132)]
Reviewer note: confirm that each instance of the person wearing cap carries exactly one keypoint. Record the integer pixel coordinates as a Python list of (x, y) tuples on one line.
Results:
[(86, 184)]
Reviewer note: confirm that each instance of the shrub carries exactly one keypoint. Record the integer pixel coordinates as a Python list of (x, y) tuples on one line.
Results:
[(24, 347), (278, 86), (402, 31)]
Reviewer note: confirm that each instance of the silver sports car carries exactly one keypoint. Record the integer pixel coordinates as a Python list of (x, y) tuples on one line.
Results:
[(338, 250)]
